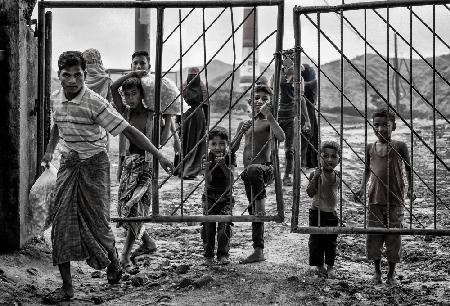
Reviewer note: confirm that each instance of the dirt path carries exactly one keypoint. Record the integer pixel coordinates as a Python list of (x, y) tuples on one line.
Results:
[(174, 275)]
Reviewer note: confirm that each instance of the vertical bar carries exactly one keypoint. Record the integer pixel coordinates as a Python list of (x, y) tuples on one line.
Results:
[(397, 78), (388, 101), (298, 111), (342, 112), (41, 88), (158, 71), (252, 203), (48, 79), (276, 93), (365, 113), (182, 119), (434, 116), (411, 111), (205, 69), (230, 103), (318, 104)]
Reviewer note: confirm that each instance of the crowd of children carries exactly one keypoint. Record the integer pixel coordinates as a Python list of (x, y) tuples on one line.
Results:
[(81, 229)]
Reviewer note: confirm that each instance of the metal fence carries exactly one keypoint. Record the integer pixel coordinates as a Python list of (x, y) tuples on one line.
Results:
[(424, 217), (177, 215)]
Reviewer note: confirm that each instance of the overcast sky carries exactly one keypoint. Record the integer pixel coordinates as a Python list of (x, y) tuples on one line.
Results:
[(111, 31)]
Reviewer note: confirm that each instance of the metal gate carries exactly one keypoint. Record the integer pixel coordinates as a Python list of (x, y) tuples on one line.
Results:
[(426, 143), (44, 56)]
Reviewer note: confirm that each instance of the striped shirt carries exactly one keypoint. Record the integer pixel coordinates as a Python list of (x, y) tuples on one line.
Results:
[(84, 121)]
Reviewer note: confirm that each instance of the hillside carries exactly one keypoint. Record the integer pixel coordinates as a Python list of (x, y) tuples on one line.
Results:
[(376, 75)]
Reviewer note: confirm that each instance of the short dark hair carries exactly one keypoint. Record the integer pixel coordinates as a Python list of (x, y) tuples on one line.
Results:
[(131, 83), (71, 58), (263, 87), (141, 53), (384, 112), (218, 131), (330, 144)]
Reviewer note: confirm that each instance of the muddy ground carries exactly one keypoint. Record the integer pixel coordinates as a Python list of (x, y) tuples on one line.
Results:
[(174, 275)]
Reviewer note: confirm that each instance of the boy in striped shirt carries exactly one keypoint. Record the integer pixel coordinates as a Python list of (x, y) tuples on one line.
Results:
[(80, 215)]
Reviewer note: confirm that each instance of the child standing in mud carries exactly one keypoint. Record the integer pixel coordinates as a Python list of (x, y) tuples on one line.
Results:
[(258, 172), (385, 158), (217, 198), (134, 196), (322, 188)]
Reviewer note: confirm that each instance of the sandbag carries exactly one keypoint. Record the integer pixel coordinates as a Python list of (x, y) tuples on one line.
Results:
[(40, 198), (169, 93)]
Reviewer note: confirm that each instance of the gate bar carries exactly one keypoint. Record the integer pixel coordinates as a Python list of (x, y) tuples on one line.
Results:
[(199, 218), (365, 5), (156, 136), (39, 104), (276, 93), (297, 144), (48, 80), (371, 230), (159, 4)]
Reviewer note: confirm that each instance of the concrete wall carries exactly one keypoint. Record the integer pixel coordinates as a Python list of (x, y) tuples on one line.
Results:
[(18, 91)]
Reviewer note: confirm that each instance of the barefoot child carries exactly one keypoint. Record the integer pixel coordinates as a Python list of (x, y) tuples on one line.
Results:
[(323, 186), (258, 167), (134, 193), (218, 171), (385, 158), (81, 229)]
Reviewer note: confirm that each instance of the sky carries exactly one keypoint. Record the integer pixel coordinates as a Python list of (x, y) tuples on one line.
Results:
[(111, 31)]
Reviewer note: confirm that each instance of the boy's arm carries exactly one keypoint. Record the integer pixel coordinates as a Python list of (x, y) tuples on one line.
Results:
[(167, 129), (359, 194), (116, 97), (206, 170), (274, 126), (404, 154), (307, 126), (311, 190), (236, 142), (141, 141), (176, 138), (52, 143)]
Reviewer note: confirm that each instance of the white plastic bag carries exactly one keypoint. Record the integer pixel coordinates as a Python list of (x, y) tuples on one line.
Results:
[(40, 198), (169, 93)]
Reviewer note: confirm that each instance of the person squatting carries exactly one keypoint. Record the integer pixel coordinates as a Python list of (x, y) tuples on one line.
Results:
[(80, 209)]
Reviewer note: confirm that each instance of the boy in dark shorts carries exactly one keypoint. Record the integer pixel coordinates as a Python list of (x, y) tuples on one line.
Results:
[(256, 157), (217, 198), (322, 188), (385, 158)]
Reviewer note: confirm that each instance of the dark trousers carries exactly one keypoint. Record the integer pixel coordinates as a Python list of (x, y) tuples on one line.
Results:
[(322, 245), (378, 217), (255, 178), (223, 231), (287, 125), (209, 238)]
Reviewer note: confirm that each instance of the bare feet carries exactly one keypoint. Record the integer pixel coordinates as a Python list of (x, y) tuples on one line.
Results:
[(256, 256), (223, 260), (58, 296), (330, 272), (376, 279), (391, 280), (208, 261), (321, 271)]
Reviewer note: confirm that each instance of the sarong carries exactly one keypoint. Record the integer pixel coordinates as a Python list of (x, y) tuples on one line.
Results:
[(81, 229), (134, 197)]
